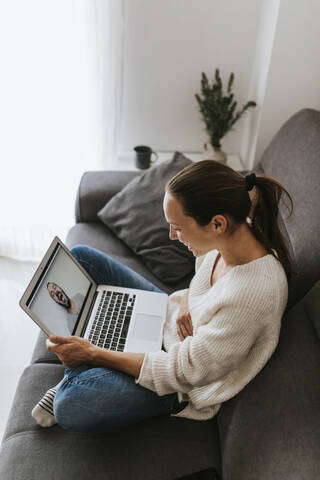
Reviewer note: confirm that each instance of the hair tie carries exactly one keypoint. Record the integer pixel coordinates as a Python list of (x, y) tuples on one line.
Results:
[(250, 181)]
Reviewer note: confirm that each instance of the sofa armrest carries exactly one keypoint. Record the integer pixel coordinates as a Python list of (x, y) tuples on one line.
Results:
[(96, 188), (271, 429)]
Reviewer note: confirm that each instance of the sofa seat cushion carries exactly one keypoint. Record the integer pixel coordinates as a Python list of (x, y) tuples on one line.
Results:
[(162, 447), (40, 353), (271, 429), (136, 215)]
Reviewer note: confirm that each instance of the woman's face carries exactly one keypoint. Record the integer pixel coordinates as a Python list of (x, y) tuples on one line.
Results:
[(200, 240), (57, 294)]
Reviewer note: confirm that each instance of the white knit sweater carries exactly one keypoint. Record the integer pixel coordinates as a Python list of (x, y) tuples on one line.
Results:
[(236, 326)]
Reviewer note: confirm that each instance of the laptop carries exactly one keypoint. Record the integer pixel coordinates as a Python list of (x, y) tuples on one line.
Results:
[(63, 299)]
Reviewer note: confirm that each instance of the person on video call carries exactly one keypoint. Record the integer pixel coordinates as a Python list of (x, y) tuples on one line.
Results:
[(219, 333), (72, 305)]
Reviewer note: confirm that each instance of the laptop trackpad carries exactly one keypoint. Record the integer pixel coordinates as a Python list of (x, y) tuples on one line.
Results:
[(146, 327)]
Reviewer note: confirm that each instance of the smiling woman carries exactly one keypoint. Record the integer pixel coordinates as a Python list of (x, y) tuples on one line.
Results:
[(218, 334), (208, 199), (57, 294), (72, 305)]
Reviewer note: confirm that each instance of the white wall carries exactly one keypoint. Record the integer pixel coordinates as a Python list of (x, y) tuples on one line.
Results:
[(271, 46), (294, 74), (168, 44)]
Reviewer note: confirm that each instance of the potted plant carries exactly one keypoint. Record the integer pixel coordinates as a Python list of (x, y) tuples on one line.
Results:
[(218, 113)]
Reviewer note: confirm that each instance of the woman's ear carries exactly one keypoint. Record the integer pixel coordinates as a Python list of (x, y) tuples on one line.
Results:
[(217, 220), (220, 223)]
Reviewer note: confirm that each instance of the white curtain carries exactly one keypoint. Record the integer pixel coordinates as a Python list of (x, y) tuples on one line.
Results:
[(60, 97)]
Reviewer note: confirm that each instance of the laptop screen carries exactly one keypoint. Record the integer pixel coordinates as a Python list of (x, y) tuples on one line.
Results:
[(59, 296)]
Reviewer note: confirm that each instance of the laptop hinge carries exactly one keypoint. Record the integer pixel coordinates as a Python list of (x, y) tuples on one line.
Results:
[(89, 314)]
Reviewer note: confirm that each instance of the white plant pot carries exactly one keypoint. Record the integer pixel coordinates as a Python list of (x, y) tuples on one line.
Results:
[(214, 153)]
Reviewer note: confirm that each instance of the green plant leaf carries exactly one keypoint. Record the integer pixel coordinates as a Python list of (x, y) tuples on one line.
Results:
[(231, 78), (216, 109)]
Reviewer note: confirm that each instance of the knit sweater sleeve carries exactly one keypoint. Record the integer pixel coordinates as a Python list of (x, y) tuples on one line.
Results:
[(218, 348)]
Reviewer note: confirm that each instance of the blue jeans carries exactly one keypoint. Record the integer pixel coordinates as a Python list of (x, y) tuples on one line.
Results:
[(96, 399)]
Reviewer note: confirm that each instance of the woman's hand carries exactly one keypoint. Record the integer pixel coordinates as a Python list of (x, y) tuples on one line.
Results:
[(184, 322), (72, 351)]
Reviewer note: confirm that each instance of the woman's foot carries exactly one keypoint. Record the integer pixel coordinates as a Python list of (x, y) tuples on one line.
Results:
[(43, 411)]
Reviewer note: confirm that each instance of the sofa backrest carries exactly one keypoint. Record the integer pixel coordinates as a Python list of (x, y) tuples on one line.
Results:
[(293, 158)]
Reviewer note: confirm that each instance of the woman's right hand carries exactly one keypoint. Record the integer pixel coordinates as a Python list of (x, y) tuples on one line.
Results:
[(184, 322)]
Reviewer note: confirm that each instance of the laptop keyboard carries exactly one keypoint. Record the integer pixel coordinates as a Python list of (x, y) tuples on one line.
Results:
[(111, 323)]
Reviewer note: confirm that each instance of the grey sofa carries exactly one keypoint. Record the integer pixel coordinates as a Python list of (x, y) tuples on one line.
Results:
[(269, 431)]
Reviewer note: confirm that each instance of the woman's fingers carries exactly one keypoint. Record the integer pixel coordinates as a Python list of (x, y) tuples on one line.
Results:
[(184, 326), (184, 331), (60, 339), (190, 325)]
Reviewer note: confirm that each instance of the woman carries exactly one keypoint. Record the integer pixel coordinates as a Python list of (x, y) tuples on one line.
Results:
[(71, 305), (59, 296), (219, 333)]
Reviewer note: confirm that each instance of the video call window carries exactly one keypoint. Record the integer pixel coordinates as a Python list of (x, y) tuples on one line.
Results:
[(60, 294)]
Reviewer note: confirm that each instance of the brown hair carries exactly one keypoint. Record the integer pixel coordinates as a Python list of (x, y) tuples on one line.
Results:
[(208, 188)]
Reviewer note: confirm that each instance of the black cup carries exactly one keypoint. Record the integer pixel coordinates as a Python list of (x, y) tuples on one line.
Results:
[(143, 156)]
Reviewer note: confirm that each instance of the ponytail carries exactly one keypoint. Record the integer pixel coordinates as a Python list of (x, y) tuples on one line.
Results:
[(264, 219), (208, 188)]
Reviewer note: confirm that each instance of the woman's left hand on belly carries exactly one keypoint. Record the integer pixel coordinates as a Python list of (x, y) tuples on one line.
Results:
[(72, 351)]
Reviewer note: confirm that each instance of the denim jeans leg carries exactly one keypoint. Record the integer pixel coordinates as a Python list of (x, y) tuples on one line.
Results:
[(96, 399), (106, 270)]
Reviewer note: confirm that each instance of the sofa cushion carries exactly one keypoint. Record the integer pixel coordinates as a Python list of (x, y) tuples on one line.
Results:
[(136, 216), (99, 236), (158, 448), (293, 158), (96, 188), (271, 429)]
